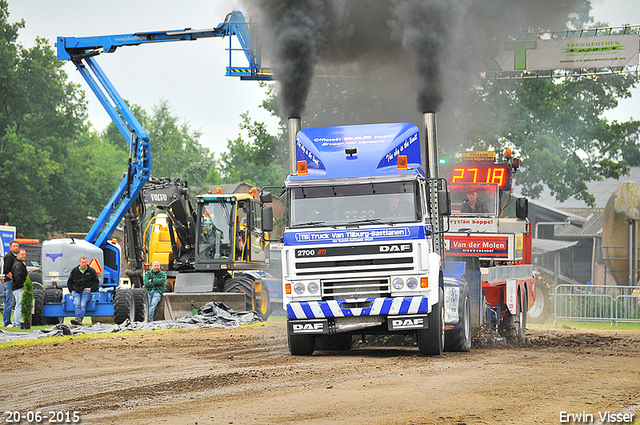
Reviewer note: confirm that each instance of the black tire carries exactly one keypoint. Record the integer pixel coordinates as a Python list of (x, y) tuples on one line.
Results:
[(167, 286), (241, 285), (36, 278), (459, 339), (541, 307), (53, 295), (141, 301), (37, 319), (263, 303), (123, 306), (520, 319), (301, 345), (513, 326), (431, 340), (339, 342)]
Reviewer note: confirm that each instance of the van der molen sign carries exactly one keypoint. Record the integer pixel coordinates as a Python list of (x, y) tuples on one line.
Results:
[(569, 53)]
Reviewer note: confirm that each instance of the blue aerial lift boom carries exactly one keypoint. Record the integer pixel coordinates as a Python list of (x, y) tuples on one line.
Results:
[(82, 51)]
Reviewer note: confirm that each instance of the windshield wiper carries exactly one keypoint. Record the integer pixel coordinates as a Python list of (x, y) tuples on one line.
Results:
[(366, 220), (310, 223)]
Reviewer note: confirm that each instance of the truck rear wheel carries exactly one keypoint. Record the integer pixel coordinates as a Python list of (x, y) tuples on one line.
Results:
[(541, 307), (513, 327), (301, 345), (431, 340), (459, 339), (520, 319), (123, 306), (141, 300)]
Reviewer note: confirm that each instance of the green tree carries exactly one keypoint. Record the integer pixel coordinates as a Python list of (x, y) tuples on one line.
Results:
[(42, 124), (262, 159), (256, 161), (558, 130), (176, 151)]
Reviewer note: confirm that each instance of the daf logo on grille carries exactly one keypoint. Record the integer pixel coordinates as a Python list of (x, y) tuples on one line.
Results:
[(395, 248)]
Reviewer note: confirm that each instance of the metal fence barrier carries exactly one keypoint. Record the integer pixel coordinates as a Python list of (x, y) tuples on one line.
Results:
[(600, 303)]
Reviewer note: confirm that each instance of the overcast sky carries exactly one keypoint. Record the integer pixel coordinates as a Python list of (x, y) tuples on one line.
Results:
[(190, 75)]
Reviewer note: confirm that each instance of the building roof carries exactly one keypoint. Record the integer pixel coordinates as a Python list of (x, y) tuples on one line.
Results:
[(593, 226), (544, 246), (601, 190)]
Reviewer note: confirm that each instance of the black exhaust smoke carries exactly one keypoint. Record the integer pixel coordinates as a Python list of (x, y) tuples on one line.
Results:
[(447, 40), (295, 28)]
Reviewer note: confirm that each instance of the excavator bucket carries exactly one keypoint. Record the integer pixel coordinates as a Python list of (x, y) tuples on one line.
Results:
[(176, 305)]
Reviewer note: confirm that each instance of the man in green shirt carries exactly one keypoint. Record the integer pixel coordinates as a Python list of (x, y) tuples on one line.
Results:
[(154, 282)]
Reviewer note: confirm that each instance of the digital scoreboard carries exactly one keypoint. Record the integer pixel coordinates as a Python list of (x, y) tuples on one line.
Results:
[(479, 167), (481, 173)]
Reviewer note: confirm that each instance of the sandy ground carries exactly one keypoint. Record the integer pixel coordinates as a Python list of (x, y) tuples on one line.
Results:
[(246, 376)]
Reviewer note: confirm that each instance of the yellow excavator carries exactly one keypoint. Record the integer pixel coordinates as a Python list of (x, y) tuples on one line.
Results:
[(215, 252)]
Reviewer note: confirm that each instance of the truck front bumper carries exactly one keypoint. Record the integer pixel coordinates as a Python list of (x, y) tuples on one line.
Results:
[(368, 307)]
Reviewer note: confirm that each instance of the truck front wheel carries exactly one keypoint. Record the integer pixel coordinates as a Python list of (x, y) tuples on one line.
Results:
[(431, 340), (301, 345)]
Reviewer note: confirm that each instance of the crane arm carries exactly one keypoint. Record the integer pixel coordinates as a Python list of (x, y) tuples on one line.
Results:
[(78, 48), (82, 51)]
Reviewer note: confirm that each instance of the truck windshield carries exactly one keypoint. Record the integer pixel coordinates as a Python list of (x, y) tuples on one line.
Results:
[(214, 241), (371, 203)]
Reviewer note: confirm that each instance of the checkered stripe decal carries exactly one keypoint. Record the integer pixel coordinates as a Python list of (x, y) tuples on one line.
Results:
[(379, 306)]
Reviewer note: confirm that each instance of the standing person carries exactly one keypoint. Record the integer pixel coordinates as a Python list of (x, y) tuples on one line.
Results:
[(83, 280), (154, 283), (9, 259), (19, 273)]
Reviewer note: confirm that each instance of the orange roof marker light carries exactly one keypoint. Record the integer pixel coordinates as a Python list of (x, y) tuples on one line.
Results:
[(403, 164), (218, 191), (302, 168), (507, 153), (254, 192)]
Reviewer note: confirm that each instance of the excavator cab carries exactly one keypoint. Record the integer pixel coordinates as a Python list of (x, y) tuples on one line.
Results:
[(229, 232), (211, 253)]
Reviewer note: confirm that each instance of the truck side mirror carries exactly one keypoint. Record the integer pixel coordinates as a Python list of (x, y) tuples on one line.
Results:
[(444, 202), (522, 207), (266, 197), (267, 219)]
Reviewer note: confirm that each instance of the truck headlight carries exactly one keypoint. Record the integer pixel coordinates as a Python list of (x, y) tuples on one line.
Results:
[(397, 283), (298, 288), (313, 287), (412, 283)]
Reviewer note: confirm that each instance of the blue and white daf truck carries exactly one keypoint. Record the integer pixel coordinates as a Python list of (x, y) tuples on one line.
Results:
[(363, 242)]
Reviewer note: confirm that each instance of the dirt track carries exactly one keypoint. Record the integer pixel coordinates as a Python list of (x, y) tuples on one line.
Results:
[(246, 376)]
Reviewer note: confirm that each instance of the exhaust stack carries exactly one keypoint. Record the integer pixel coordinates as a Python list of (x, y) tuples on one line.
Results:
[(429, 149), (294, 125)]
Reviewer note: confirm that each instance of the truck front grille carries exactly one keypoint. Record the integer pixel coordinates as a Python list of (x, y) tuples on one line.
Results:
[(349, 289), (354, 266)]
